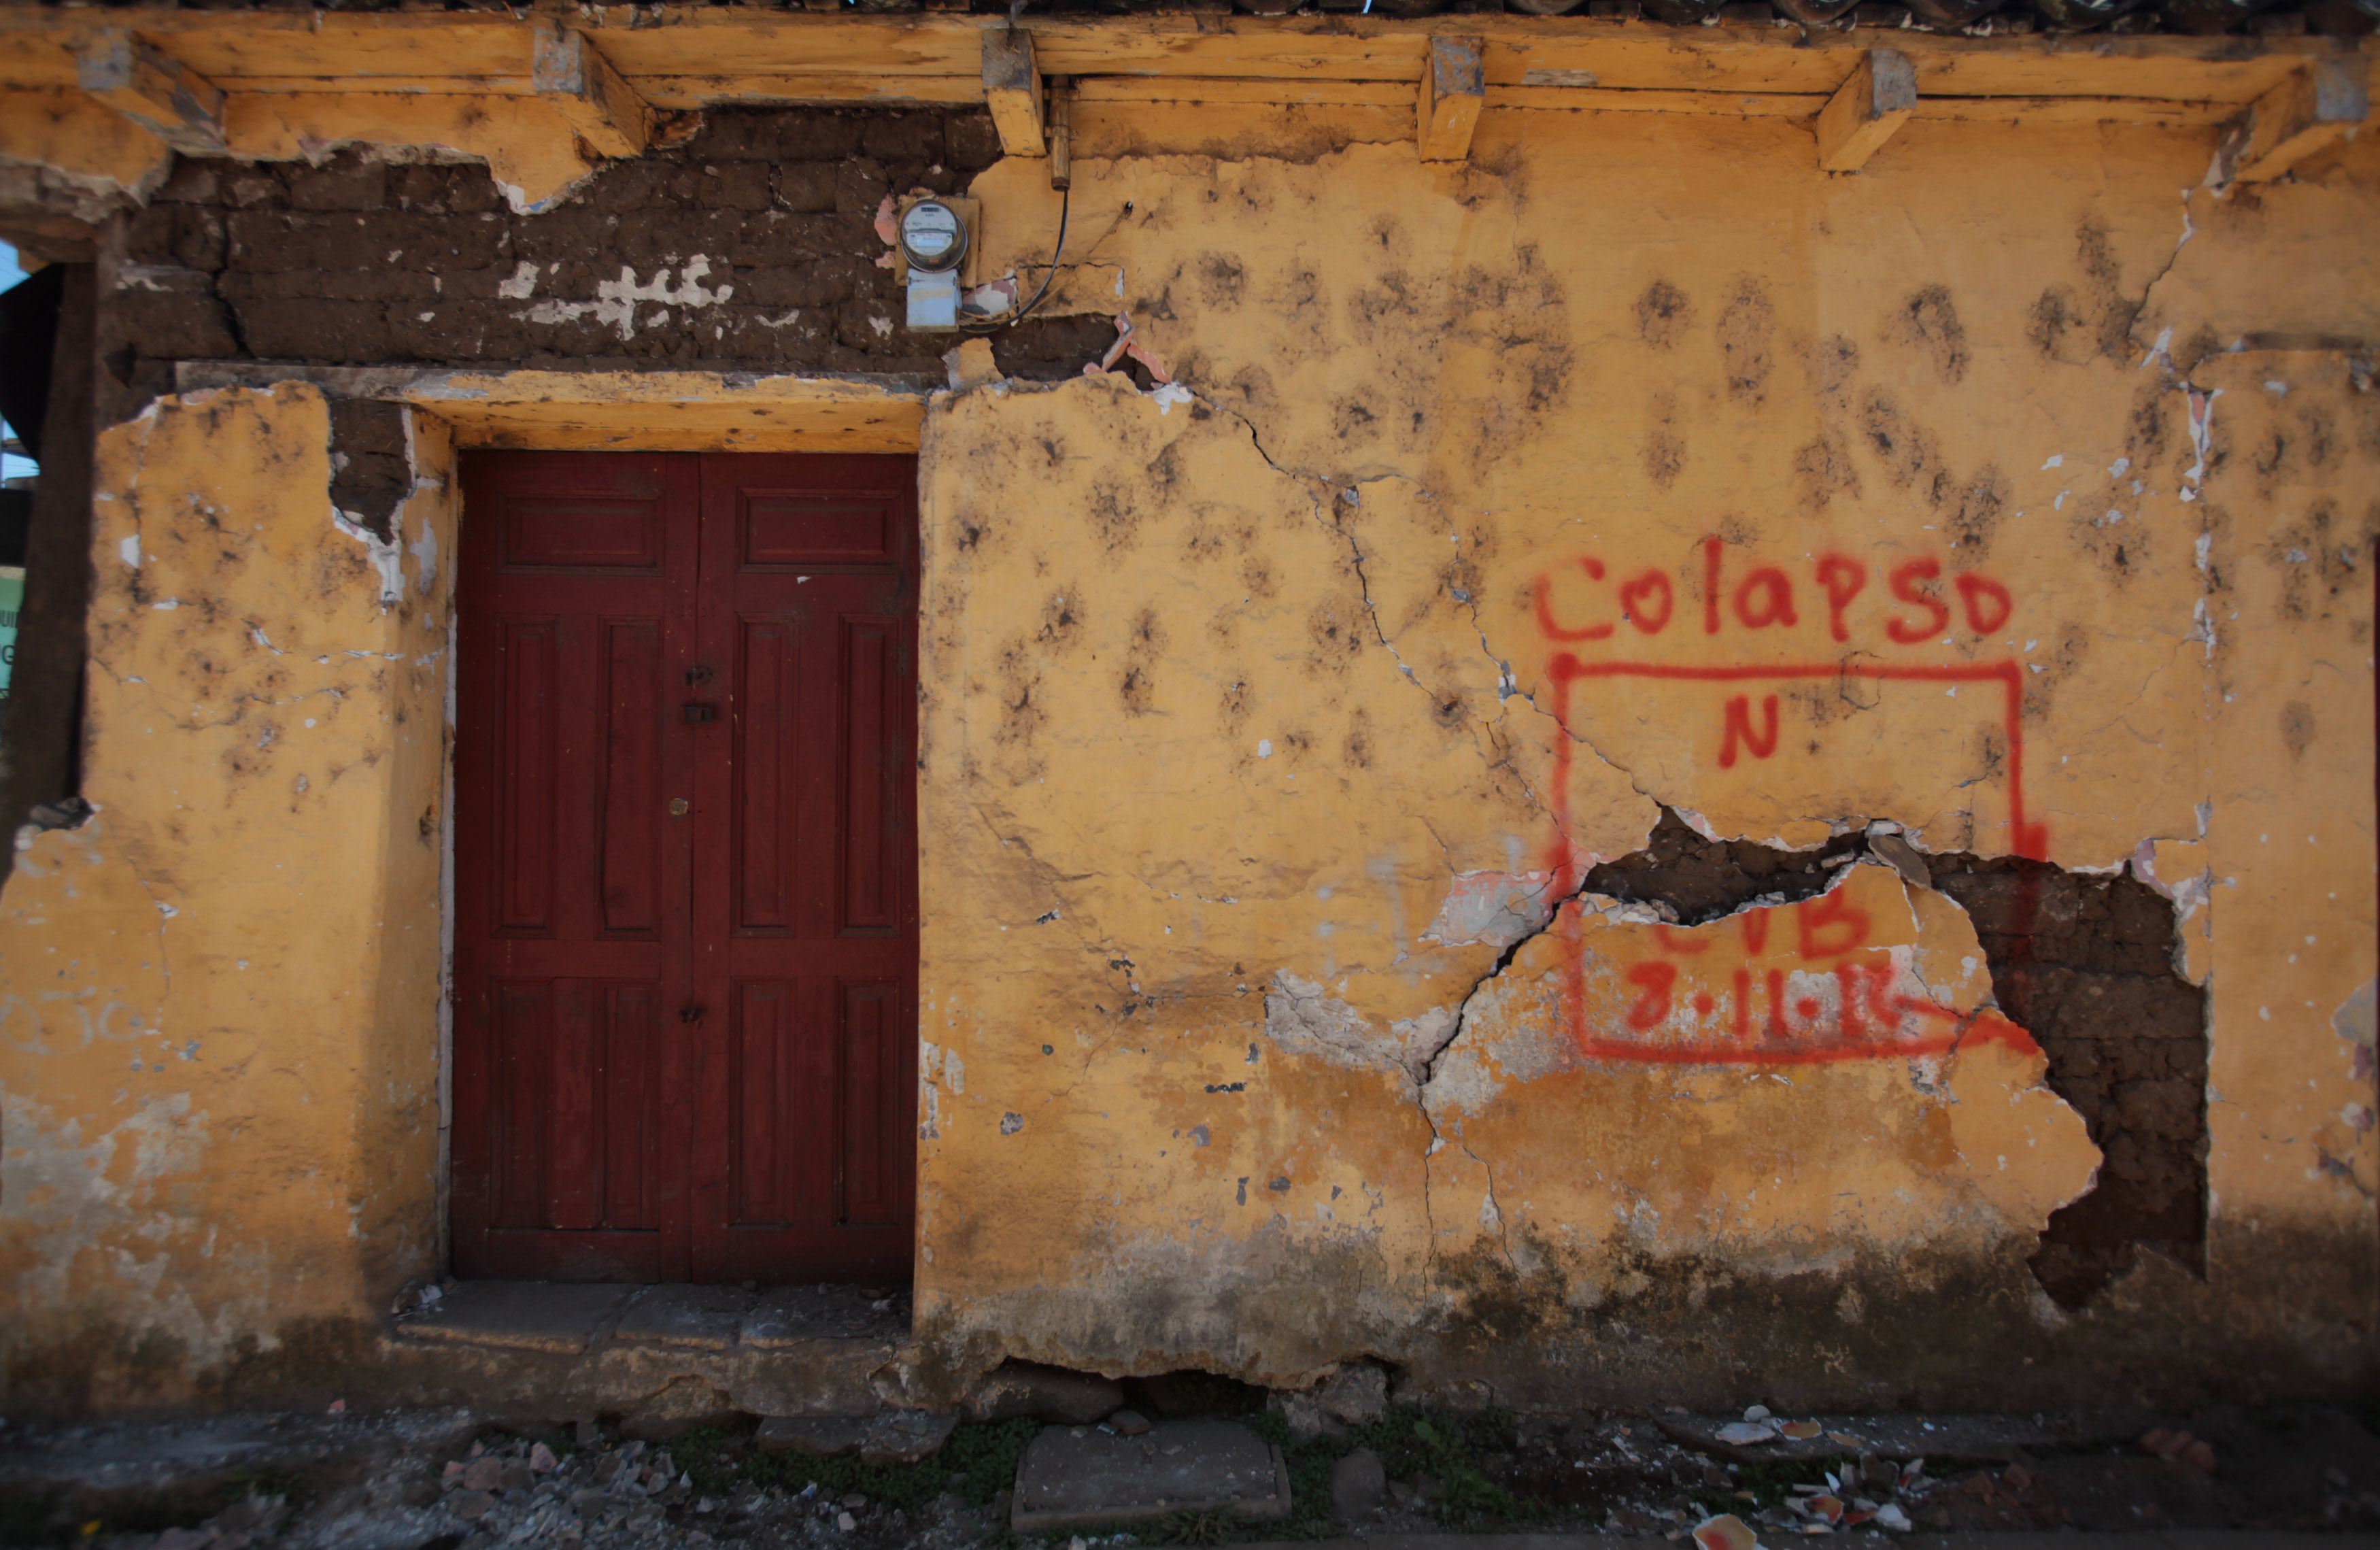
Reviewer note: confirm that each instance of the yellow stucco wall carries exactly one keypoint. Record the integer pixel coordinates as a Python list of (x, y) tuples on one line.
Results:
[(1241, 760), (1243, 764), (218, 997)]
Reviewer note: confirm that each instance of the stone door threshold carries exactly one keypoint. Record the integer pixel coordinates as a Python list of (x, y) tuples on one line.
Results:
[(662, 1355), (564, 1318)]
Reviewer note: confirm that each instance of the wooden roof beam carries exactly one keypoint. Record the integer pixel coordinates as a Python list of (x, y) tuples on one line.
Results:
[(1453, 87), (1866, 110), (2317, 106), (152, 89), (568, 72), (1011, 89)]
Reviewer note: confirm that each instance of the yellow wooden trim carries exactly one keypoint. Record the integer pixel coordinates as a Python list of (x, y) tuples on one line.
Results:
[(153, 89), (684, 43), (670, 411), (1871, 106), (2315, 107), (1011, 89), (1452, 90)]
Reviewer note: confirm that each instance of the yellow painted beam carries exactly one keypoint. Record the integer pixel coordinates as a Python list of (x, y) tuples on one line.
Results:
[(69, 132), (1452, 90), (1866, 111), (700, 41), (670, 411), (1011, 89), (152, 89), (572, 75), (2315, 107)]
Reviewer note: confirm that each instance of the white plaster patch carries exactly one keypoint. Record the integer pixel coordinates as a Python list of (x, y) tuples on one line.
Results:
[(616, 302), (1304, 1019), (2358, 1017), (384, 554), (1497, 908)]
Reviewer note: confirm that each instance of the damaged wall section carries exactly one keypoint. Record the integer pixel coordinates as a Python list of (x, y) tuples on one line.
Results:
[(1268, 715), (2089, 964), (751, 246)]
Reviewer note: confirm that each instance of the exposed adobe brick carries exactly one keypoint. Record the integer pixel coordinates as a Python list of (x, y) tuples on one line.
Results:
[(353, 262)]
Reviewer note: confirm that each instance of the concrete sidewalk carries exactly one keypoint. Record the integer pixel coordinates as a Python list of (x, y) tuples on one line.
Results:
[(2162, 1539)]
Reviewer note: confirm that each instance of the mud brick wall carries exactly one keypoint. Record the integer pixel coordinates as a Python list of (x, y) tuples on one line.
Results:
[(749, 246), (2087, 964)]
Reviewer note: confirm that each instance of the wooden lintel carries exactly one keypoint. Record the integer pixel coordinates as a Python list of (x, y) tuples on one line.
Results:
[(154, 89), (567, 71), (1011, 89), (1453, 87), (2316, 107), (1864, 112)]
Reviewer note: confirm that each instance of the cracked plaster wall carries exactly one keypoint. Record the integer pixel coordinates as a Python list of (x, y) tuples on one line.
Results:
[(218, 996), (1268, 716)]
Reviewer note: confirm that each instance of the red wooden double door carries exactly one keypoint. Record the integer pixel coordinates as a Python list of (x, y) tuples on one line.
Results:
[(685, 951)]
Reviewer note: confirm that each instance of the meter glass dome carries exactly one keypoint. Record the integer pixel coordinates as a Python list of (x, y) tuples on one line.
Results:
[(932, 236)]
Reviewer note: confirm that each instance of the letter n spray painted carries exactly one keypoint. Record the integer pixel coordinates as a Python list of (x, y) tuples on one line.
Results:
[(1738, 729)]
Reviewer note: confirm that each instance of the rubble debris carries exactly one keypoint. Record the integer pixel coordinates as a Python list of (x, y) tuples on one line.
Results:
[(2164, 1442), (1026, 1388), (1078, 1477), (1356, 1394), (1359, 1484), (1412, 1470), (1726, 1531)]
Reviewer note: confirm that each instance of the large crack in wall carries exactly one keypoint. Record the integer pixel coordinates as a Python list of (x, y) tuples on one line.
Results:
[(2086, 962)]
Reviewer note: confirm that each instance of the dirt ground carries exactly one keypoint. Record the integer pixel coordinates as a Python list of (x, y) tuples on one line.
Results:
[(450, 1481)]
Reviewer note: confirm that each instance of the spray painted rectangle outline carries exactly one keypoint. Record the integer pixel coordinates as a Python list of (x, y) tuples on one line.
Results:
[(2030, 841)]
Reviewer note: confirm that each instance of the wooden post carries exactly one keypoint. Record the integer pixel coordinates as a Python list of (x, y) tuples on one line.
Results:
[(152, 89), (603, 109), (1864, 114), (1453, 88), (1011, 89), (41, 720), (2314, 107)]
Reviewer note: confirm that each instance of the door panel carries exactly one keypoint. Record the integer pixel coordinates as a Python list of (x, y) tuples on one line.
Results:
[(870, 835), (628, 844), (686, 1045), (808, 610), (572, 945)]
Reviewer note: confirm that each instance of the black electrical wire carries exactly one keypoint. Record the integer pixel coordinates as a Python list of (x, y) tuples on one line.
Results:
[(1065, 208)]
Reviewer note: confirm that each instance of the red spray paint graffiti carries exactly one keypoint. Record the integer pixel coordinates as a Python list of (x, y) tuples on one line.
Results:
[(1773, 1013)]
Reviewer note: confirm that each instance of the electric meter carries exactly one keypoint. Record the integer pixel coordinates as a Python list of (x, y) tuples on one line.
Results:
[(932, 237)]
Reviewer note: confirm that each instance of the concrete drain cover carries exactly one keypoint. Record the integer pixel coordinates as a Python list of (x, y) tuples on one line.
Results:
[(1074, 1477)]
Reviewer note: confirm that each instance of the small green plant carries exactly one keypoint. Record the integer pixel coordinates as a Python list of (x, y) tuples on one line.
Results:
[(984, 1457), (1200, 1528), (241, 1483), (1441, 1447)]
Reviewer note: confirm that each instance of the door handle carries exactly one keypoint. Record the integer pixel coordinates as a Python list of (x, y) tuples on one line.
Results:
[(698, 710), (689, 1014)]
